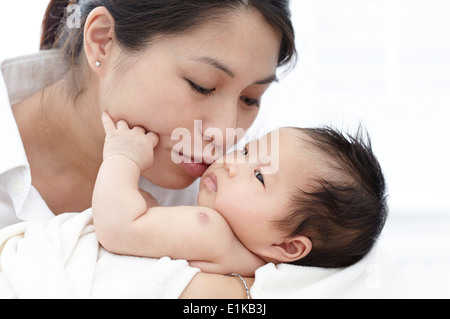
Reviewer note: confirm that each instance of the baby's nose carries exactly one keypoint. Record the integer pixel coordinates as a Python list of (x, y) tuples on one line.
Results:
[(232, 170)]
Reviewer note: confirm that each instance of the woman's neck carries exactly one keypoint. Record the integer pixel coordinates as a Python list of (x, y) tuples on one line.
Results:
[(63, 140)]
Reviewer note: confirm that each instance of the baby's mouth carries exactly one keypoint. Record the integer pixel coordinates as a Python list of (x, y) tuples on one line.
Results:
[(210, 182)]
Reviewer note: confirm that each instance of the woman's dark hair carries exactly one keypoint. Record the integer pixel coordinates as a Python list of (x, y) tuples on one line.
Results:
[(138, 22)]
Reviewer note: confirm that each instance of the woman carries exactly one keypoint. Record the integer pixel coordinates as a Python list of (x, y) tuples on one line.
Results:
[(157, 64)]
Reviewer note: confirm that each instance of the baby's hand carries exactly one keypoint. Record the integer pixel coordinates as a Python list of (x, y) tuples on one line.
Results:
[(134, 143)]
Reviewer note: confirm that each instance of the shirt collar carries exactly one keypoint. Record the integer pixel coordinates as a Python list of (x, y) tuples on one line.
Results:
[(19, 79), (13, 153), (27, 75), (15, 177)]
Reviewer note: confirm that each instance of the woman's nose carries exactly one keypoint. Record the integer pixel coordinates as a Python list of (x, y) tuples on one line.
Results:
[(222, 120)]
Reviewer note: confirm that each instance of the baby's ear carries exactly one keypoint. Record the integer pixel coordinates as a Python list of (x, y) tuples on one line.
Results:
[(292, 249)]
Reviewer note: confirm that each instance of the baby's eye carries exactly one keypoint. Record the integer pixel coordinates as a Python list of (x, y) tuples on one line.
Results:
[(260, 177), (244, 152)]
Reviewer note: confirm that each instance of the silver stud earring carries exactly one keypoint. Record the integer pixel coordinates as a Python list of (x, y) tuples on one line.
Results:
[(98, 64)]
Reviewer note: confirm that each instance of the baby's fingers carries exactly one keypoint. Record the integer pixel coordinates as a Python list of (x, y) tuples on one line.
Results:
[(108, 124), (154, 138), (122, 125)]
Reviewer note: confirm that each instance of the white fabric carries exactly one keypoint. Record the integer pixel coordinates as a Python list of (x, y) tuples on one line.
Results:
[(374, 277), (63, 260), (20, 78)]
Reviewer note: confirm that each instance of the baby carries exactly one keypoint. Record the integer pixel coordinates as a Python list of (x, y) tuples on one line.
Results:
[(324, 207)]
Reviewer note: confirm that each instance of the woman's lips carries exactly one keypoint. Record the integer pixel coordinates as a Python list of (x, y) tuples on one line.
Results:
[(194, 169), (193, 166)]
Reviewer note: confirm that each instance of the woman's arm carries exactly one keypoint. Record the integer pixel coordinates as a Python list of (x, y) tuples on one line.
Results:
[(209, 286)]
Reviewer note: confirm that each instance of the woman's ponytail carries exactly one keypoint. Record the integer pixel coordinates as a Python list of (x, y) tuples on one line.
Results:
[(52, 21)]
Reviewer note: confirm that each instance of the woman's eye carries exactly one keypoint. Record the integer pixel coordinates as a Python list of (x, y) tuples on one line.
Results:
[(250, 102), (260, 177), (200, 89)]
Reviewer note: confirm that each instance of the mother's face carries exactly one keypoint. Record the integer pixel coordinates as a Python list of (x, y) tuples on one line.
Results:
[(216, 74)]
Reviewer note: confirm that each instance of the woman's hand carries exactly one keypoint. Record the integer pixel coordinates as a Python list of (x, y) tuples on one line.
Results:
[(133, 143)]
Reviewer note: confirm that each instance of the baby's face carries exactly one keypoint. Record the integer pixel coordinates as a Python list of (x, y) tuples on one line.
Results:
[(251, 194)]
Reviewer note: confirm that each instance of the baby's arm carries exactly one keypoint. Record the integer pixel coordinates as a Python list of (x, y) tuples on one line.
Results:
[(197, 234), (125, 225), (117, 198)]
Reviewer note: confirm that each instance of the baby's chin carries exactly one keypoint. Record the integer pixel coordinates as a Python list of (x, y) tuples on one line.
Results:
[(204, 199), (201, 201)]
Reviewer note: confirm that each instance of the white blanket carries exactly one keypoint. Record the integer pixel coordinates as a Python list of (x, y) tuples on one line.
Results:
[(374, 277), (63, 260)]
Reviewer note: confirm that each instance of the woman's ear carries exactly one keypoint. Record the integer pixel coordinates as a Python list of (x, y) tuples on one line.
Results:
[(99, 37), (292, 249)]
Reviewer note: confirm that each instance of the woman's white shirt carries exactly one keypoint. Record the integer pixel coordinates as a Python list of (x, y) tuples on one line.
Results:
[(20, 78)]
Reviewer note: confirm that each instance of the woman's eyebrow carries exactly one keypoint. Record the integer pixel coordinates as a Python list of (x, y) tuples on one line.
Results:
[(215, 63), (268, 80), (218, 65)]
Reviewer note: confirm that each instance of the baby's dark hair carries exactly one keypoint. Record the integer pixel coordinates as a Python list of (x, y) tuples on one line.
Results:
[(344, 211)]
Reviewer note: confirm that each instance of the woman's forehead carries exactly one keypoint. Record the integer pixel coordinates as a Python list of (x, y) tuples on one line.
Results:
[(243, 40)]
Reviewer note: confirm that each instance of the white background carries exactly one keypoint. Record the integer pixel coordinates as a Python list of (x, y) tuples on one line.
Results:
[(384, 63)]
